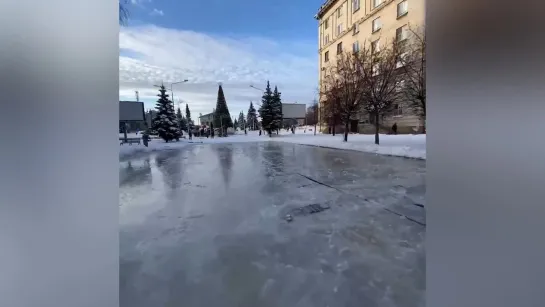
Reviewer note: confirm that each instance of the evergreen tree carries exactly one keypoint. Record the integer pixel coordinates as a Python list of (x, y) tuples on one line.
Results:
[(241, 121), (251, 117), (182, 124), (277, 109), (188, 116), (236, 124), (165, 121), (266, 111), (222, 118)]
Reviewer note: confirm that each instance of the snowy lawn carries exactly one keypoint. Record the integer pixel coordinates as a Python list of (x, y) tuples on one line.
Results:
[(404, 145)]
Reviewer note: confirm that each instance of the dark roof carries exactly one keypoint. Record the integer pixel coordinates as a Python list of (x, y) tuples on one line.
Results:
[(207, 115), (326, 6)]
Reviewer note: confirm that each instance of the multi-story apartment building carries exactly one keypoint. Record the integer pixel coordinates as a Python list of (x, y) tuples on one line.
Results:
[(345, 25)]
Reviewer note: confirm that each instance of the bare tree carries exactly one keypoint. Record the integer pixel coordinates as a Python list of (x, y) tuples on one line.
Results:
[(344, 82), (414, 69), (312, 115), (330, 105), (381, 84), (123, 12)]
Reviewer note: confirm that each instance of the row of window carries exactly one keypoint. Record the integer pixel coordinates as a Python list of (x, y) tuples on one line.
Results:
[(401, 35), (376, 24)]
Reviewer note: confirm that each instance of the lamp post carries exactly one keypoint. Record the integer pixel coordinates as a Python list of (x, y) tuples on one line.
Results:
[(172, 91)]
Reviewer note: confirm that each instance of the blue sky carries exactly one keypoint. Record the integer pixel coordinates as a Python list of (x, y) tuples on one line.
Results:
[(237, 43)]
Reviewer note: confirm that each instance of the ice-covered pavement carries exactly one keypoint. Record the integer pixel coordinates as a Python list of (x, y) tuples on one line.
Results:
[(410, 146), (204, 226)]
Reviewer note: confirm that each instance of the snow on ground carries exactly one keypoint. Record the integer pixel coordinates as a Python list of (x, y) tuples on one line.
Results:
[(403, 145), (158, 144)]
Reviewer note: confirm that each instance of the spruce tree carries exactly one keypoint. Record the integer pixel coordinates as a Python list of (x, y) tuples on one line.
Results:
[(277, 109), (182, 124), (165, 121), (251, 117), (188, 117), (241, 121), (266, 111), (236, 124), (222, 118)]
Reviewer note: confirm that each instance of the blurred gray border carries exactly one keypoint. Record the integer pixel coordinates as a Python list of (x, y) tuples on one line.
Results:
[(485, 154), (59, 185)]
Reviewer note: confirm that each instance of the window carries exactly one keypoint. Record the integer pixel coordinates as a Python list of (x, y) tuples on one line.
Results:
[(376, 3), (356, 47), (400, 85), (375, 46), (401, 33), (376, 24), (339, 28), (340, 11), (326, 23), (339, 48), (356, 28), (401, 60), (355, 5), (402, 8), (397, 110), (376, 69), (326, 56), (326, 39)]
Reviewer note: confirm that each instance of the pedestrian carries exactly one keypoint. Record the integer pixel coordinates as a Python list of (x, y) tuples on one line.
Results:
[(259, 132), (394, 128), (190, 134), (145, 139)]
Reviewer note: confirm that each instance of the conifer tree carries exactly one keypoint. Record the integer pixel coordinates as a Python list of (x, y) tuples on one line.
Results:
[(251, 117), (266, 111), (165, 121), (188, 117), (241, 121), (277, 109), (222, 118)]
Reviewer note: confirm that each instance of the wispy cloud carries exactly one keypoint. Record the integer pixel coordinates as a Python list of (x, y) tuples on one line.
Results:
[(157, 12), (151, 55)]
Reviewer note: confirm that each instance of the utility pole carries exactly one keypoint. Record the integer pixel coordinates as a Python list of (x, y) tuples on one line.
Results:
[(137, 98)]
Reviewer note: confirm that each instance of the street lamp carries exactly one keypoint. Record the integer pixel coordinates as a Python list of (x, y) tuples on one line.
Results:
[(171, 91), (184, 81)]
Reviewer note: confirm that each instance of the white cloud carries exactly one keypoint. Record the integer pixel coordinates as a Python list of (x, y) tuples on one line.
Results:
[(151, 55), (157, 12)]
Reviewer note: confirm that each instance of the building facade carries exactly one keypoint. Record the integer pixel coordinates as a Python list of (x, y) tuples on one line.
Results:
[(345, 25), (206, 119)]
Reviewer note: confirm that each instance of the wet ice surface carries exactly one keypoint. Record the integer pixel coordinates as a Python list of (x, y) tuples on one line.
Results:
[(205, 226)]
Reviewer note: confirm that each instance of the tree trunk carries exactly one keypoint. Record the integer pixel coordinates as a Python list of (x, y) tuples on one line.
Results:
[(314, 129), (377, 125), (333, 128), (346, 131)]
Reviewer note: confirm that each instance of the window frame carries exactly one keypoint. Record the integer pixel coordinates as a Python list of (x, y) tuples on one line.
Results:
[(406, 2), (354, 45), (340, 48), (373, 30)]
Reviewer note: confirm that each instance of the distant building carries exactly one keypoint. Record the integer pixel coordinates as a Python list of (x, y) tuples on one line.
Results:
[(131, 116), (206, 119)]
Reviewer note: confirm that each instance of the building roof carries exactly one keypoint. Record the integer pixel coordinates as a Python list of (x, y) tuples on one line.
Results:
[(206, 115), (326, 6)]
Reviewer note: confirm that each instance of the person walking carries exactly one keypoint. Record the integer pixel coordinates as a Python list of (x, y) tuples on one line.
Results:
[(190, 132), (394, 128)]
